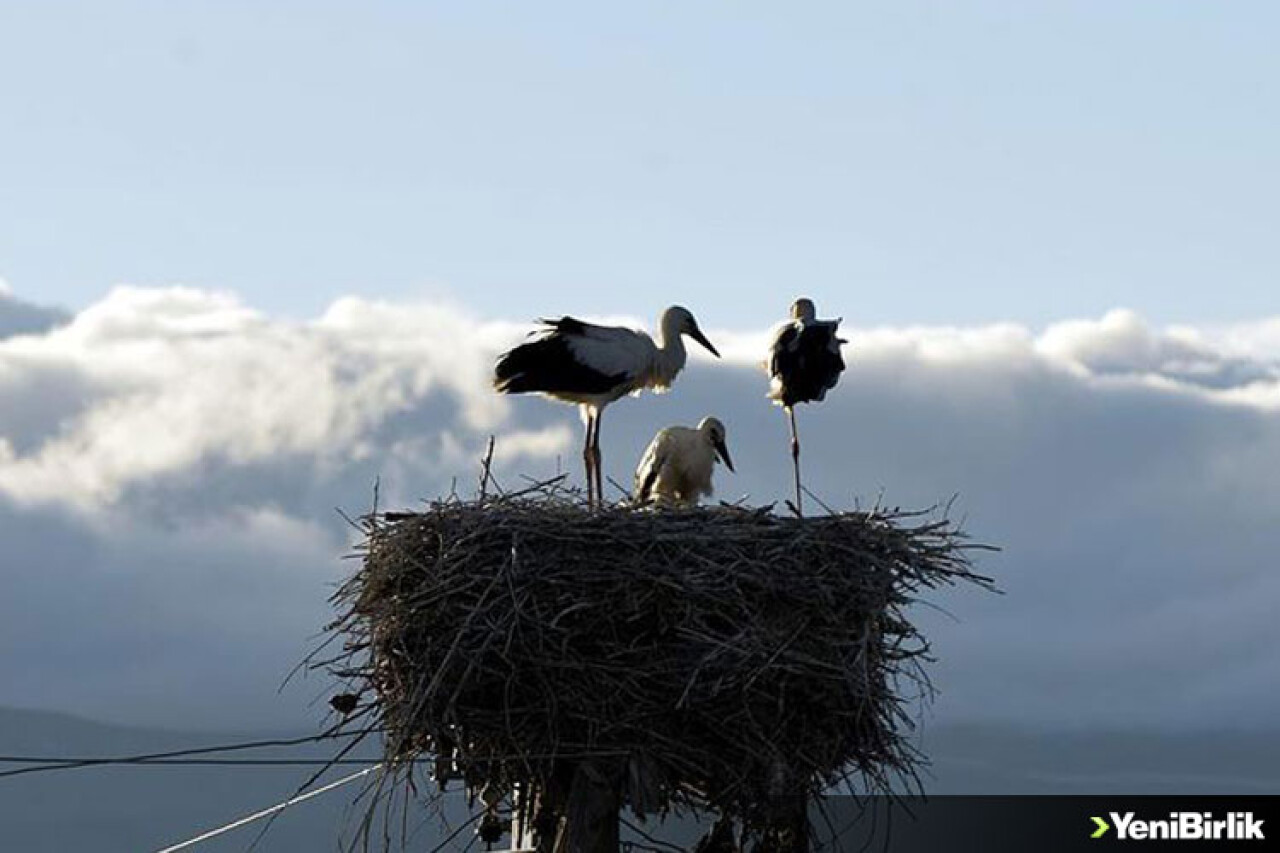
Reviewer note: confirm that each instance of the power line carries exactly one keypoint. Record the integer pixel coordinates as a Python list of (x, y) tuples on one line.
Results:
[(185, 762), (267, 812), (64, 763), (180, 758)]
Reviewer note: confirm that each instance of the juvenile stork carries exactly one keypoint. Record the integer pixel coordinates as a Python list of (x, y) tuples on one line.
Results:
[(591, 366), (676, 468), (804, 364)]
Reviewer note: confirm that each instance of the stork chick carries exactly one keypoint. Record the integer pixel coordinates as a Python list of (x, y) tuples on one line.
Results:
[(676, 468), (804, 364)]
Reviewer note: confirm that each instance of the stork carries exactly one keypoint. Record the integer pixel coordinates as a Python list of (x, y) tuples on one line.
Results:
[(804, 364), (591, 366), (676, 467)]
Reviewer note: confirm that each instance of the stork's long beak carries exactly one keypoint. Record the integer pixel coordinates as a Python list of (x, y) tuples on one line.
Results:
[(722, 450), (697, 335)]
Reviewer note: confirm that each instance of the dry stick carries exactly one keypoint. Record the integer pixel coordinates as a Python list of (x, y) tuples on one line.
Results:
[(457, 832), (486, 466), (658, 843), (623, 490), (541, 485)]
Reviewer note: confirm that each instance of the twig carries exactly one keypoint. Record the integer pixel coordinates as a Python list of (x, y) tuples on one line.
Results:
[(486, 468)]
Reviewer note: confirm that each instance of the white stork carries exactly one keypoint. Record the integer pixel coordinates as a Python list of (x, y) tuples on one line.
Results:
[(804, 364), (676, 467), (591, 366)]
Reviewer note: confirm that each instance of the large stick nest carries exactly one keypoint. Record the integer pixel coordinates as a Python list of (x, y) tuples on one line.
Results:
[(716, 657)]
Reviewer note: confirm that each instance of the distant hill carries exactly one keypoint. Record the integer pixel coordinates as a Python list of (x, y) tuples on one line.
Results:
[(1004, 760), (144, 808), (134, 809)]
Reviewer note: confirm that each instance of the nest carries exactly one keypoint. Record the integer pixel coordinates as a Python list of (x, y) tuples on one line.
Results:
[(714, 657)]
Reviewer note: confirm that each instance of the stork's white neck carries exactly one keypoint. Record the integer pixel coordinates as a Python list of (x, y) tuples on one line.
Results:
[(670, 356)]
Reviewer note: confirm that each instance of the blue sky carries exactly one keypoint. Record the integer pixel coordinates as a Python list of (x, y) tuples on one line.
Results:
[(904, 162)]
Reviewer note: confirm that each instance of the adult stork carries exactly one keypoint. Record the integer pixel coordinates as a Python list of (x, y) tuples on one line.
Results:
[(591, 366), (676, 467), (804, 364)]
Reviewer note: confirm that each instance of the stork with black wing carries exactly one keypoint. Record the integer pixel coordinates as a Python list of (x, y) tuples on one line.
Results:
[(804, 363)]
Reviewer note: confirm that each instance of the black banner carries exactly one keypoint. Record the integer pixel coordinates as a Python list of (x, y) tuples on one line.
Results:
[(1045, 824)]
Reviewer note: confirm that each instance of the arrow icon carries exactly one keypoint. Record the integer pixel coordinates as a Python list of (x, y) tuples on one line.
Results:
[(1103, 826)]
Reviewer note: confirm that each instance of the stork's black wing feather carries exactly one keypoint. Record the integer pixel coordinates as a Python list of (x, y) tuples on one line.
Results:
[(646, 486), (783, 343), (566, 325), (548, 364), (806, 362)]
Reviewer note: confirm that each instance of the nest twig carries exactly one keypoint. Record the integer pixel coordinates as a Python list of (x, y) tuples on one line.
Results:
[(714, 657)]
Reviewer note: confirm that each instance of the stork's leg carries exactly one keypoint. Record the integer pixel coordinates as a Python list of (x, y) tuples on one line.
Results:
[(595, 460), (588, 457), (795, 455)]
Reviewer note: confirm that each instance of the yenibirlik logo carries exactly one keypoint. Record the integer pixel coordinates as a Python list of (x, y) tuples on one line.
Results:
[(1182, 826)]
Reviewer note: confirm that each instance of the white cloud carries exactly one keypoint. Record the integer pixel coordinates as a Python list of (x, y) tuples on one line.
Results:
[(1121, 343), (184, 378), (170, 461), (1258, 340)]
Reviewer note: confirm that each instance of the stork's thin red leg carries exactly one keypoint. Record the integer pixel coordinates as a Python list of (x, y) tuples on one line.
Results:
[(595, 461), (795, 456), (587, 458)]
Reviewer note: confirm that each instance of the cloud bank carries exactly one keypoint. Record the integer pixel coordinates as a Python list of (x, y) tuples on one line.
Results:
[(18, 317), (170, 461)]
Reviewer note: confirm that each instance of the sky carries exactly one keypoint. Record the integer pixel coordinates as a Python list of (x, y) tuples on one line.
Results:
[(915, 162), (254, 259)]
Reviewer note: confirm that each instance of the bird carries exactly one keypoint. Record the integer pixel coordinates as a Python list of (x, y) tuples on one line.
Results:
[(344, 703), (804, 364), (591, 366), (676, 467)]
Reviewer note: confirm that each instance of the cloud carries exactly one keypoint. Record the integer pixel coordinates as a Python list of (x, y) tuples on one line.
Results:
[(1257, 340), (176, 381), (170, 461), (1122, 344), (24, 318)]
